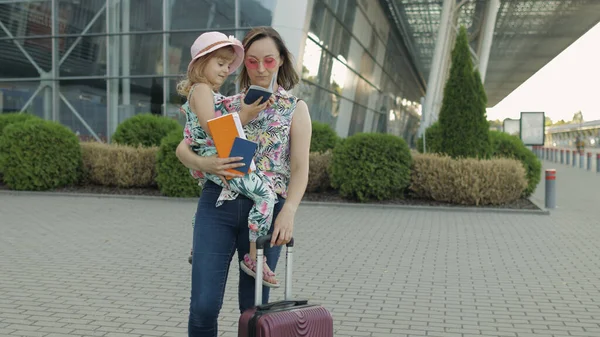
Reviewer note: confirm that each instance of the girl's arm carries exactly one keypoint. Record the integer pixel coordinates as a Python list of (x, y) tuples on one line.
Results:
[(300, 135), (202, 104)]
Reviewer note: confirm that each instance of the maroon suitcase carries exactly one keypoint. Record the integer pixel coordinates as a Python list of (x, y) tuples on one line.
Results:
[(289, 318)]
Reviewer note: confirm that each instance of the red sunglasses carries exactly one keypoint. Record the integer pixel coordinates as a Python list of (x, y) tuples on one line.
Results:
[(268, 62)]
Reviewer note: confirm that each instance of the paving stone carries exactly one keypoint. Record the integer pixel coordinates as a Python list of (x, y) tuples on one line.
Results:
[(84, 266)]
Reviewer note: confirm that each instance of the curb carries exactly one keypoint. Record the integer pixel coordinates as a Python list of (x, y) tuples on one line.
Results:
[(457, 209), (540, 211), (96, 195), (539, 203)]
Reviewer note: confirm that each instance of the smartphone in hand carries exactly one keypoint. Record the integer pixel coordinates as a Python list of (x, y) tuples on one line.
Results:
[(255, 92)]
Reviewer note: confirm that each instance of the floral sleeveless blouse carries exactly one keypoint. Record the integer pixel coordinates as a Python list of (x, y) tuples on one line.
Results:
[(271, 130)]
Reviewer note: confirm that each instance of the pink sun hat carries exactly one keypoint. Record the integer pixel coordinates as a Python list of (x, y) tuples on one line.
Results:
[(212, 41)]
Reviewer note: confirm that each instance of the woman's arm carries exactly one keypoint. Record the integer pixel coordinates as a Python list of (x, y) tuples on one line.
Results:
[(210, 164), (300, 135)]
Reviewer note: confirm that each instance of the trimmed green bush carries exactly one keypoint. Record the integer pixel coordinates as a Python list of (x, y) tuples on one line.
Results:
[(14, 117), (462, 117), (433, 139), (39, 155), (323, 137), (368, 166), (509, 146), (172, 177), (144, 129)]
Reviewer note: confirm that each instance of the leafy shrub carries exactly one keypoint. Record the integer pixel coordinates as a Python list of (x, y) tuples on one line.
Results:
[(144, 129), (173, 178), (39, 155), (119, 165), (464, 126), (433, 139), (323, 137), (369, 166), (318, 172), (467, 181), (13, 117), (509, 146)]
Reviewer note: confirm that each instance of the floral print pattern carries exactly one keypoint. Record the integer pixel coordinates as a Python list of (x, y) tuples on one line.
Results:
[(271, 131)]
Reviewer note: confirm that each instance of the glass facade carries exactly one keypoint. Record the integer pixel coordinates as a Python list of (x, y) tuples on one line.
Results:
[(107, 59), (90, 64), (355, 74)]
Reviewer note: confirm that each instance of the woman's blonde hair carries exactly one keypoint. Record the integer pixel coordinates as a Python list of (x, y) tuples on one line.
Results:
[(287, 77), (196, 72)]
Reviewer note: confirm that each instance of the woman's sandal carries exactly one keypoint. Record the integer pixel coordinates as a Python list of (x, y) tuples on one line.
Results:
[(248, 265)]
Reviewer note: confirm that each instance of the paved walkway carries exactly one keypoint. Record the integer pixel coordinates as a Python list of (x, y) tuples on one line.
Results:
[(83, 266)]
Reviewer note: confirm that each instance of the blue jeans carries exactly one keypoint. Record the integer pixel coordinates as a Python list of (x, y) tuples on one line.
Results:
[(218, 233)]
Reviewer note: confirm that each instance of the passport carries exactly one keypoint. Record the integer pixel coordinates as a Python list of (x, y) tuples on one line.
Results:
[(243, 148)]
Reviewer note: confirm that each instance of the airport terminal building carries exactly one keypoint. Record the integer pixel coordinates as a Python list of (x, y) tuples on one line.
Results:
[(366, 65)]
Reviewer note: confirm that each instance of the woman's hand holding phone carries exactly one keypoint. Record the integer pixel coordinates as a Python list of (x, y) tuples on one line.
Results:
[(250, 111)]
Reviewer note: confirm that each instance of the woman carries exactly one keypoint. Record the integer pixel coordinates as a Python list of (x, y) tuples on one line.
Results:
[(283, 133)]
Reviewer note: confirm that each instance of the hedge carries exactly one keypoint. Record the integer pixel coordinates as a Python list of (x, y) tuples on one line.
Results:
[(323, 137), (433, 139), (371, 166), (144, 129), (467, 181), (39, 155), (509, 146), (14, 117), (318, 172), (173, 178), (119, 165)]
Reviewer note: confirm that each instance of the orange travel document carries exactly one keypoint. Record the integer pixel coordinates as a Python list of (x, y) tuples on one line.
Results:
[(224, 130)]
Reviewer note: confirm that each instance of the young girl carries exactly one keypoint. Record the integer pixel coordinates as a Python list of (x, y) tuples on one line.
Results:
[(214, 57)]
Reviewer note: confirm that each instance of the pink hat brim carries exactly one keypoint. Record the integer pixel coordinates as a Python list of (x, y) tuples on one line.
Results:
[(237, 62)]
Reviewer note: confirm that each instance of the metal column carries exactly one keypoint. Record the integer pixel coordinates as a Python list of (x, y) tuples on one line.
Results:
[(165, 52), (439, 55), (112, 68), (55, 62), (488, 35), (125, 52), (237, 34)]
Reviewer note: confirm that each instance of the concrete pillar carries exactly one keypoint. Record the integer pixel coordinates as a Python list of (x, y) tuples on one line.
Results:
[(488, 35), (440, 53)]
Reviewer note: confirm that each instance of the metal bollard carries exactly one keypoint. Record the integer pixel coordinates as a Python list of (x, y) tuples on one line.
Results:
[(550, 188), (568, 157), (589, 161), (574, 159), (581, 159), (598, 162), (562, 156)]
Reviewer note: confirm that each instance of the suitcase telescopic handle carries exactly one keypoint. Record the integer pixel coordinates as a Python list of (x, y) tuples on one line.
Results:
[(258, 287), (262, 241)]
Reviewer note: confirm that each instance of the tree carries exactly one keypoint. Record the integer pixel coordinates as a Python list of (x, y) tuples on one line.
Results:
[(547, 121), (578, 117), (464, 126), (561, 122), (480, 114), (497, 124)]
